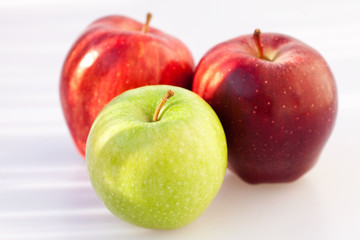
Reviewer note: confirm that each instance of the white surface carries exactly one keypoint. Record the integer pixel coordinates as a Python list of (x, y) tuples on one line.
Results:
[(44, 188)]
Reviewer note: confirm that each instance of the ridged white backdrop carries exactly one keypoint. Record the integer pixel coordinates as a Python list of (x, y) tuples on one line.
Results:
[(45, 192)]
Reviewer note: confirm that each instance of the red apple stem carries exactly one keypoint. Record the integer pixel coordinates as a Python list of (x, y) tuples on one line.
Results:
[(168, 95), (257, 37), (146, 25)]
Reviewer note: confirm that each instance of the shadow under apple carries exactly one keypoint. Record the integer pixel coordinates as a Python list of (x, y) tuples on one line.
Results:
[(274, 210)]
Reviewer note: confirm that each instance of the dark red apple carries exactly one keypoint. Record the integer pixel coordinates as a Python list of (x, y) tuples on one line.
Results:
[(114, 54), (277, 100)]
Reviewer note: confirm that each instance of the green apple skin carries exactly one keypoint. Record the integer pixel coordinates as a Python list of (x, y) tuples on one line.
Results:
[(162, 174)]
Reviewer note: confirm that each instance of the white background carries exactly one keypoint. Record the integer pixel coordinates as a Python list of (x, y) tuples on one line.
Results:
[(44, 188)]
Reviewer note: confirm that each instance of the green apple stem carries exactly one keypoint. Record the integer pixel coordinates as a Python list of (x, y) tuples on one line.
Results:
[(168, 95), (258, 43), (146, 26)]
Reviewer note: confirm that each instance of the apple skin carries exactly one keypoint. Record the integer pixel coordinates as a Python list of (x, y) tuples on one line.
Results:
[(110, 57), (277, 112), (161, 174)]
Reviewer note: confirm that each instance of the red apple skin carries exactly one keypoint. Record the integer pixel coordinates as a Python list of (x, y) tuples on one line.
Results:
[(277, 113), (110, 57)]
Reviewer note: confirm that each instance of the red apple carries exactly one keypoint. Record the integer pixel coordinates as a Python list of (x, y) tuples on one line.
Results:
[(114, 54), (277, 100)]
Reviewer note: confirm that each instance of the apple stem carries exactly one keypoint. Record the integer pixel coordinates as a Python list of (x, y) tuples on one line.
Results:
[(146, 26), (258, 43), (168, 95)]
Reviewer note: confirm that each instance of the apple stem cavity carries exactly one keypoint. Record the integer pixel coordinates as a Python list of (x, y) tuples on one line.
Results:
[(168, 95), (146, 25), (258, 43)]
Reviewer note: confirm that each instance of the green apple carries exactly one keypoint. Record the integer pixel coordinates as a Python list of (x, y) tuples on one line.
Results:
[(157, 170)]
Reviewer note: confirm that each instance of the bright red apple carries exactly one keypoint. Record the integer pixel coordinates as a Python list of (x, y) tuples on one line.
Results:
[(277, 100), (114, 54)]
